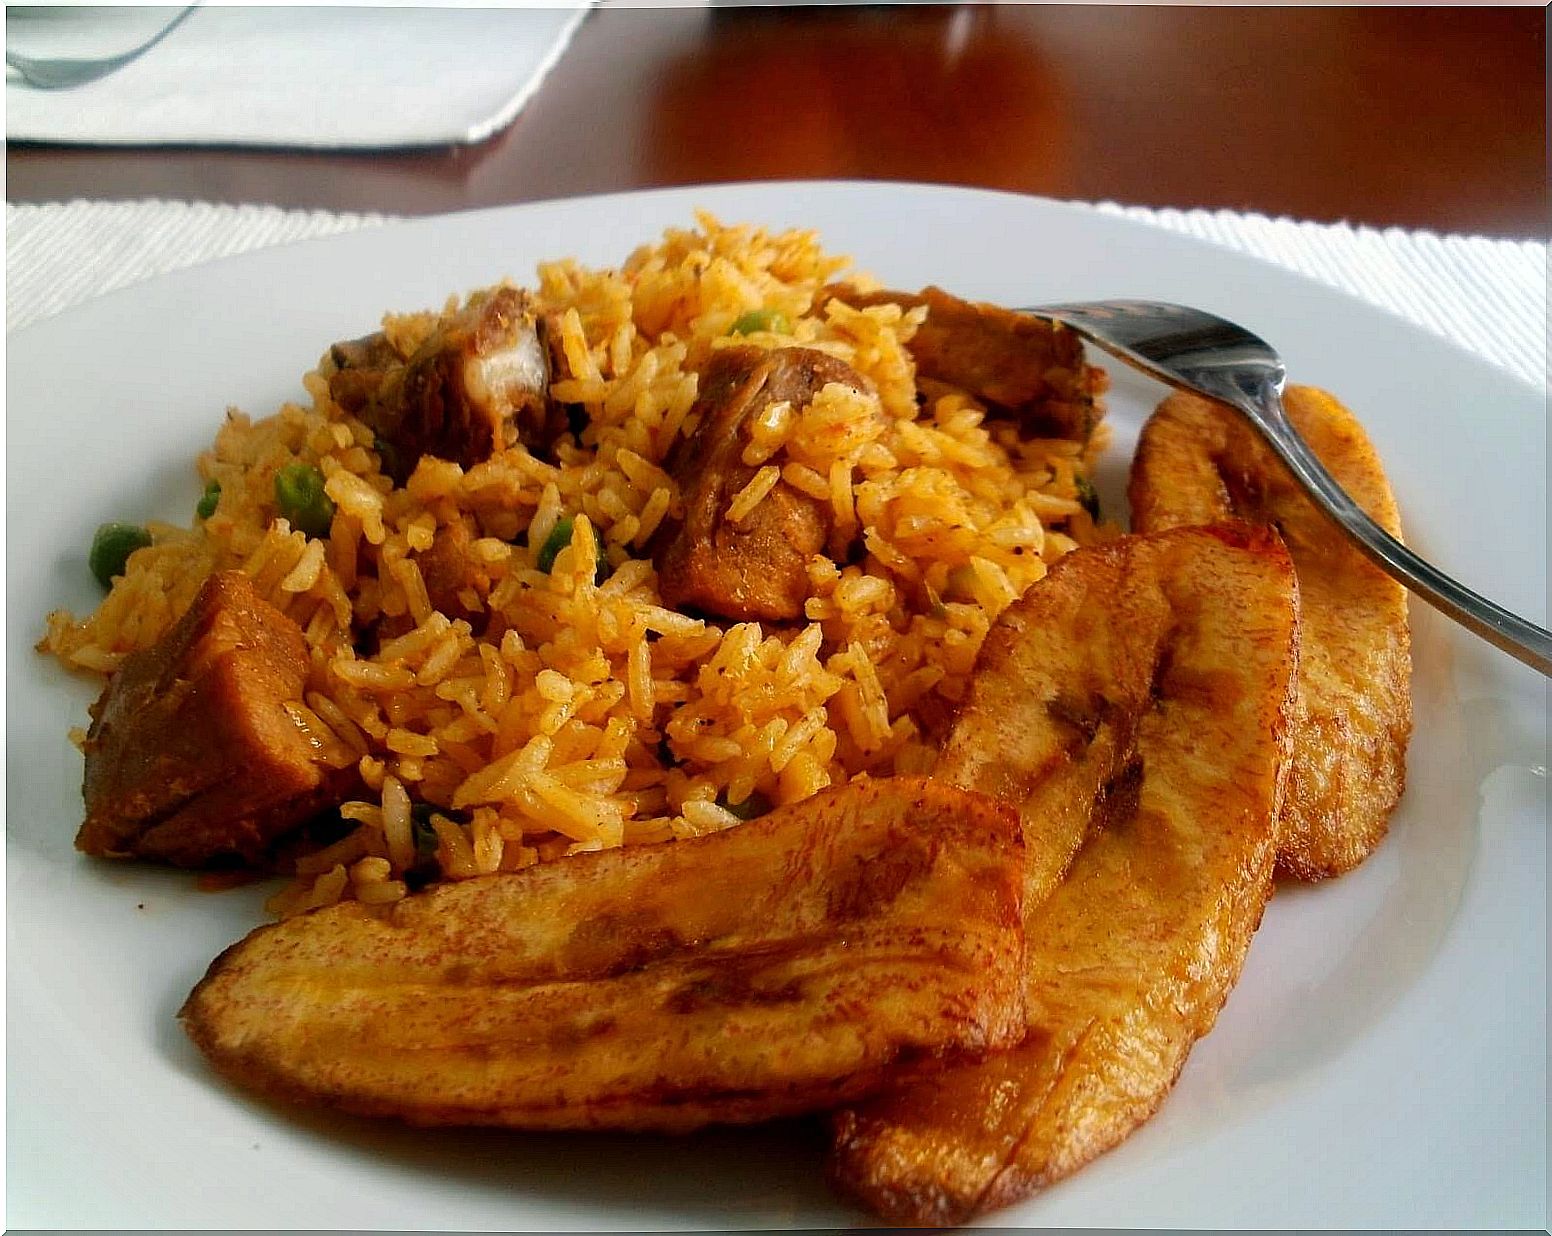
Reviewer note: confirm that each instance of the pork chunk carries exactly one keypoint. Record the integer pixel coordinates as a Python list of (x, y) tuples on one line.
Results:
[(1022, 367), (757, 569), (357, 368), (451, 569), (192, 757), (478, 385)]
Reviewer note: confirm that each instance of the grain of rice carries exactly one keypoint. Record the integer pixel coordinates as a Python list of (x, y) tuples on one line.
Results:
[(582, 817), (639, 680), (346, 850), (407, 572), (807, 481), (579, 357), (406, 742), (648, 831), (713, 750), (841, 499), (453, 849), (441, 660), (498, 780), (647, 477), (666, 692), (546, 515), (709, 817), (327, 889), (768, 432), (98, 659), (420, 531), (358, 501), (667, 622), (396, 824), (381, 892), (370, 870), (370, 676), (327, 747), (434, 478), (752, 494), (796, 738), (652, 514), (486, 843), (802, 777), (554, 686), (308, 568)]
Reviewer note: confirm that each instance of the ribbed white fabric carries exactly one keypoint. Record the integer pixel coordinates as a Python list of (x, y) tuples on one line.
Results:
[(1488, 295), (58, 255)]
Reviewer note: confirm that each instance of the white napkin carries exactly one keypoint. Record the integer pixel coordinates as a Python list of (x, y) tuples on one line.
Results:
[(323, 78)]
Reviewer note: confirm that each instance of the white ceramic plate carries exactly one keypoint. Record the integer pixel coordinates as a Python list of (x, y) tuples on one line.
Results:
[(1383, 1061)]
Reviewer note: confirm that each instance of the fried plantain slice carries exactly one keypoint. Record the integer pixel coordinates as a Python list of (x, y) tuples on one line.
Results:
[(1198, 462), (1143, 689), (782, 966)]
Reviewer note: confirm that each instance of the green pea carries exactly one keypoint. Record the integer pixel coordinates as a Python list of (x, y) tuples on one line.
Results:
[(111, 548), (773, 320), (387, 455), (1088, 496), (210, 500), (426, 840), (751, 808), (300, 497), (560, 537)]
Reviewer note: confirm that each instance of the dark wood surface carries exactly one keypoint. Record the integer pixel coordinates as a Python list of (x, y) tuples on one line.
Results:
[(1414, 117)]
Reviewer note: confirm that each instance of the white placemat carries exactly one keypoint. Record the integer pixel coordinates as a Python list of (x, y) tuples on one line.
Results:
[(323, 78), (1490, 296)]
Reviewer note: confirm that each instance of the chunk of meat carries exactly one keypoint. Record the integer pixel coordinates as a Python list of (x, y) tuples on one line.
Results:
[(756, 569), (1198, 461), (778, 967), (452, 570), (1140, 697), (479, 384), (193, 756), (1020, 366), (356, 369)]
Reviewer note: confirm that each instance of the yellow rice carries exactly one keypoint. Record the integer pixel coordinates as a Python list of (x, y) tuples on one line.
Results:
[(593, 716)]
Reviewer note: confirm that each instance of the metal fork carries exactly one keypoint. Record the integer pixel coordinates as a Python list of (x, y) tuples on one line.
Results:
[(60, 73), (1199, 352)]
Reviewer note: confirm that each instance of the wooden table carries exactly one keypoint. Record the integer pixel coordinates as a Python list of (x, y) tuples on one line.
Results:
[(1431, 118)]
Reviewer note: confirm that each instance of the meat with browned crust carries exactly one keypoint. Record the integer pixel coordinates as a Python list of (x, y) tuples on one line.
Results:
[(782, 966), (192, 757), (457, 578), (1020, 366), (356, 369), (479, 384), (756, 569)]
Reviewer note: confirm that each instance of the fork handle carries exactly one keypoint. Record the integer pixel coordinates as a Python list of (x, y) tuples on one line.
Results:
[(1520, 639)]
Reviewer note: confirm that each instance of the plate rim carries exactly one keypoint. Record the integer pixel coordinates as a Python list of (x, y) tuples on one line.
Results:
[(1078, 209)]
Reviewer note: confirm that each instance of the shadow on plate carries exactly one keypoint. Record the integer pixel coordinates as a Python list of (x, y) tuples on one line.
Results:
[(1348, 950), (767, 1175)]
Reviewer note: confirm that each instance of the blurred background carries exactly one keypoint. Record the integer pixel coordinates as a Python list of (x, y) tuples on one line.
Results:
[(1390, 116)]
